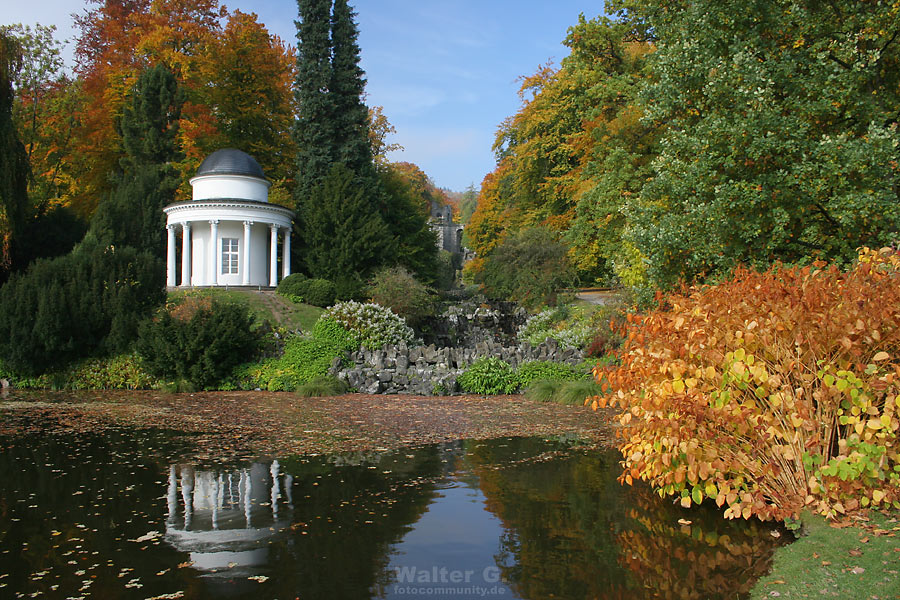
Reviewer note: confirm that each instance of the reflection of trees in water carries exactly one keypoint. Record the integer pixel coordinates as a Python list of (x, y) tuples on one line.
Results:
[(85, 500), (709, 558), (574, 532), (70, 503), (347, 518)]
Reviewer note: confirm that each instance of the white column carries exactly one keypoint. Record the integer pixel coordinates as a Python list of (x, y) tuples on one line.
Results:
[(273, 255), (170, 256), (286, 254), (245, 275), (213, 278), (185, 254)]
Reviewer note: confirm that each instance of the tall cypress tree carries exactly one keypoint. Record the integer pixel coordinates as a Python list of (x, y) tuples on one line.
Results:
[(314, 127), (351, 135), (132, 214), (350, 222), (14, 167)]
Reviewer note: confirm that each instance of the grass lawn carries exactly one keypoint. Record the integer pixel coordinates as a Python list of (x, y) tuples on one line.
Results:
[(265, 306), (857, 560)]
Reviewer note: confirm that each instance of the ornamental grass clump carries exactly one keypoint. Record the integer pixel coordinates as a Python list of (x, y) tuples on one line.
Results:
[(770, 393), (371, 325)]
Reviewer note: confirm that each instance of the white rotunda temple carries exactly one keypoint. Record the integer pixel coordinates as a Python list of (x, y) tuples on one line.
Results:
[(229, 230)]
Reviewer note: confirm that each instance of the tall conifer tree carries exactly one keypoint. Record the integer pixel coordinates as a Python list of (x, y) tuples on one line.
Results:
[(314, 127), (351, 222), (352, 147), (14, 167)]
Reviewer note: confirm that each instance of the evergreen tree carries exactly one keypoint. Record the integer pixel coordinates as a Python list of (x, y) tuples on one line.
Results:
[(351, 116), (14, 167), (344, 234), (69, 307), (345, 238), (132, 214), (314, 127)]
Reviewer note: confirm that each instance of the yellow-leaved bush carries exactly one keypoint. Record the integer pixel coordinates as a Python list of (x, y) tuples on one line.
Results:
[(769, 393)]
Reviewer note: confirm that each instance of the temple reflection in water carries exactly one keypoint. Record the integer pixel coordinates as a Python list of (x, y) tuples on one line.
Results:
[(226, 519)]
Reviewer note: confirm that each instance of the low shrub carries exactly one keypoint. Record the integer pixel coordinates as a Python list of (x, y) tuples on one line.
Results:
[(199, 340), (87, 302), (769, 393), (396, 288), (122, 372), (487, 376), (572, 392), (292, 285), (298, 288), (547, 370), (319, 292), (577, 392), (570, 328), (373, 326), (322, 385)]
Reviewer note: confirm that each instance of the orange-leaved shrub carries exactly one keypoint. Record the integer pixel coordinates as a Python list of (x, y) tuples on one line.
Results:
[(769, 393)]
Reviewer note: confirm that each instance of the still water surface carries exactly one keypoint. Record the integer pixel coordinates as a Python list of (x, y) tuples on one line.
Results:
[(124, 515)]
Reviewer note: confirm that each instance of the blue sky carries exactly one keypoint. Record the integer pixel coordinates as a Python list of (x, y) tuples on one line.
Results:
[(446, 72)]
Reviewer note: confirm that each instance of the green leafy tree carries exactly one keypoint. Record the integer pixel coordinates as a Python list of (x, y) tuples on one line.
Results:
[(132, 215), (468, 204), (783, 140), (413, 243), (529, 266)]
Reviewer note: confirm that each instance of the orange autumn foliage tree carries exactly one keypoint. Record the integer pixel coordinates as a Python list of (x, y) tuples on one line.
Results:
[(770, 393), (237, 81)]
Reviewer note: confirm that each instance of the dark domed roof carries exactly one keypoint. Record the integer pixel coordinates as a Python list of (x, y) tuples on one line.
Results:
[(229, 161)]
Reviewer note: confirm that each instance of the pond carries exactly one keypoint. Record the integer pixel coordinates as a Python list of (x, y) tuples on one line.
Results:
[(126, 515)]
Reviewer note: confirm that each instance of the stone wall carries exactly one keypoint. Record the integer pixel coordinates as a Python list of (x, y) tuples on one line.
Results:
[(427, 370), (467, 323)]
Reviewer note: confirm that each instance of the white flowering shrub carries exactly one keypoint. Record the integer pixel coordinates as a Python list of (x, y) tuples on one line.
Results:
[(372, 325), (572, 330)]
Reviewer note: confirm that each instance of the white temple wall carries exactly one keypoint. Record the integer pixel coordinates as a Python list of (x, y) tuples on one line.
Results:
[(208, 187)]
